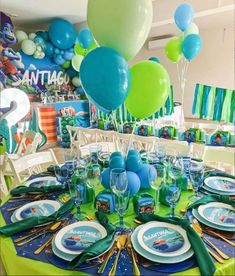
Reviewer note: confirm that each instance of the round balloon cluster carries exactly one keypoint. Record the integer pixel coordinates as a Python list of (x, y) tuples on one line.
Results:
[(189, 43), (105, 75), (138, 174)]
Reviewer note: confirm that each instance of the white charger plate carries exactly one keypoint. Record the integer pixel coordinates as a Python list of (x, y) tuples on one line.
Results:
[(154, 258), (43, 181), (37, 208), (74, 238), (218, 213), (163, 239), (220, 184)]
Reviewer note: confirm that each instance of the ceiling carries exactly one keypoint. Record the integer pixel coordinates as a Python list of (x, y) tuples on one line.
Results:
[(37, 14)]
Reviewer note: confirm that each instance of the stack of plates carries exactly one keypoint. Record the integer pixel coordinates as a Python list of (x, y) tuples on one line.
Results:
[(74, 238), (220, 185), (216, 215), (36, 208), (162, 242), (43, 181)]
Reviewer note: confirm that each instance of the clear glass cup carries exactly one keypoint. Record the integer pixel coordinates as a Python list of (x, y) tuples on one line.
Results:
[(71, 162), (121, 205), (172, 191), (161, 152), (118, 181), (196, 178), (93, 179), (156, 183), (61, 174), (95, 149)]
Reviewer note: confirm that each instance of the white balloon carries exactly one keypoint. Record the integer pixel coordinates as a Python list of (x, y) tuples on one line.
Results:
[(193, 29), (76, 81), (20, 36), (32, 36)]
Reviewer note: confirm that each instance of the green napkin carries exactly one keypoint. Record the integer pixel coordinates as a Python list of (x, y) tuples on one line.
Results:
[(205, 263), (24, 190), (98, 247), (20, 226), (212, 198)]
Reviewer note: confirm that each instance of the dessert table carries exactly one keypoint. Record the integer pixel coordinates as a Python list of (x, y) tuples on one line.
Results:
[(19, 265)]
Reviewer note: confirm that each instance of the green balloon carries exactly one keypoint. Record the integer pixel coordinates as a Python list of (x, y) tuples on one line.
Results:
[(76, 62), (173, 49), (149, 89), (123, 25), (28, 47), (66, 65)]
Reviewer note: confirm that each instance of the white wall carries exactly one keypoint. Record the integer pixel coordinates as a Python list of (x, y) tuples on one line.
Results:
[(213, 66)]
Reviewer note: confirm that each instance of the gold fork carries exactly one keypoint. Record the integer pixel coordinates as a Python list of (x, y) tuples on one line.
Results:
[(199, 231)]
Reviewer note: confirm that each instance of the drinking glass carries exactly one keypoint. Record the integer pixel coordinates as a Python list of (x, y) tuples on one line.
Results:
[(172, 190), (161, 152), (121, 205), (61, 174), (95, 149), (77, 191), (93, 179), (156, 183), (185, 160), (118, 181), (196, 178), (71, 162)]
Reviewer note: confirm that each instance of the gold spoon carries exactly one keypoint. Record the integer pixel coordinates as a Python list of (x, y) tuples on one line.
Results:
[(120, 245)]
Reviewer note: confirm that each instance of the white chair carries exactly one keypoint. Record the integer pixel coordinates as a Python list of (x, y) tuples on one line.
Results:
[(105, 136), (144, 142), (105, 146), (220, 155), (27, 165), (173, 146), (29, 143)]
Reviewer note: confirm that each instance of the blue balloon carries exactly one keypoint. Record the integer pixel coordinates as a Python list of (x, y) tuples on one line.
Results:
[(155, 59), (184, 16), (133, 152), (80, 91), (116, 153), (49, 49), (71, 72), (105, 178), (85, 38), (105, 77), (68, 55), (117, 163), (191, 46), (62, 34), (133, 183), (58, 59), (56, 51), (134, 163), (146, 171), (43, 34), (38, 40)]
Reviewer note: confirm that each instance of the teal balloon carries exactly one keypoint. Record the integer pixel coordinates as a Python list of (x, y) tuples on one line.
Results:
[(49, 49), (155, 59), (184, 16), (58, 59), (116, 153), (105, 77), (62, 34), (134, 163), (105, 178), (71, 72), (117, 163), (191, 46), (146, 173), (43, 34), (133, 183), (85, 38)]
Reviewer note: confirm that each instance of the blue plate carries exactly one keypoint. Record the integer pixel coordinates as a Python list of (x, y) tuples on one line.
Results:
[(155, 258), (202, 220), (220, 184)]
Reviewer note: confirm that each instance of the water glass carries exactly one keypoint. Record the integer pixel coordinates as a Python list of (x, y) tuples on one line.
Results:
[(196, 178), (156, 183), (95, 149), (61, 174), (93, 179), (121, 205), (185, 162), (71, 162), (161, 152), (172, 190), (118, 181)]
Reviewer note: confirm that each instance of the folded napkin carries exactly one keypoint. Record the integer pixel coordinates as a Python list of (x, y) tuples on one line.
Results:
[(212, 198), (24, 190), (22, 225), (205, 263), (98, 247)]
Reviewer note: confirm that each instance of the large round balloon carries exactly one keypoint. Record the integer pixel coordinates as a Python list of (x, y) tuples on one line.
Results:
[(173, 49), (149, 89), (191, 46), (193, 29), (28, 47), (85, 38), (122, 25), (105, 77), (62, 34), (184, 16)]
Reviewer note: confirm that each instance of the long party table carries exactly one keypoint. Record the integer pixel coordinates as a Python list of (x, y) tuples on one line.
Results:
[(18, 265)]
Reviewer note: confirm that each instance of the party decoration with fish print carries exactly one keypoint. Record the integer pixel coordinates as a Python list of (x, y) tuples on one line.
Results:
[(218, 213), (76, 237), (163, 239)]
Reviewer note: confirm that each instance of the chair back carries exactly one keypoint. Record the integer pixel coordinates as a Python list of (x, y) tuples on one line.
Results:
[(29, 143)]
